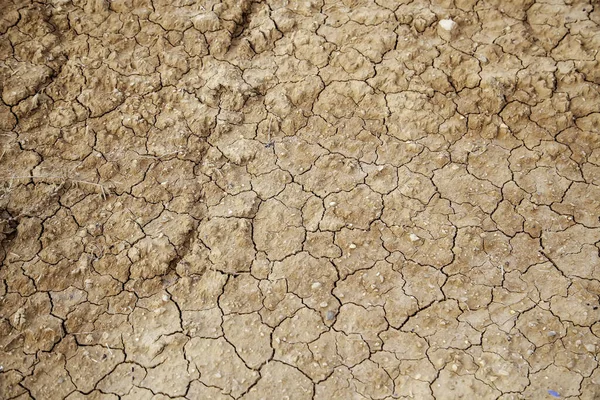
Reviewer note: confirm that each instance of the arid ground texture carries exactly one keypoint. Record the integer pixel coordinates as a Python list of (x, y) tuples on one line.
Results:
[(290, 200)]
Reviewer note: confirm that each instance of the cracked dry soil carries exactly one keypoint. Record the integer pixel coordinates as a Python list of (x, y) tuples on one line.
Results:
[(322, 199)]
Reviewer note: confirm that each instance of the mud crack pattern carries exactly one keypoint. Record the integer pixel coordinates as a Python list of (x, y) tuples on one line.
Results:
[(322, 199)]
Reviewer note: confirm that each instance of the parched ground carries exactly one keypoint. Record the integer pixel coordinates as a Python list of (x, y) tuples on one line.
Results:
[(322, 199)]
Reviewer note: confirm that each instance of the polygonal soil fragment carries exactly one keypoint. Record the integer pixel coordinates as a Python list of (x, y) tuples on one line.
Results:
[(240, 295), (90, 364), (251, 338), (50, 378), (281, 381), (230, 243), (457, 185), (170, 374), (453, 385), (360, 249), (205, 288), (122, 379), (357, 208), (440, 326), (219, 366), (372, 381), (367, 322), (332, 173), (310, 278), (278, 229)]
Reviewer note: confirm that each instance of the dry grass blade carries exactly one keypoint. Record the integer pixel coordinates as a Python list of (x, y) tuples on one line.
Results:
[(104, 191)]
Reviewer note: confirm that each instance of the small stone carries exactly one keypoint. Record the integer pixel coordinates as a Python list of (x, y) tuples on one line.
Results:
[(447, 24), (323, 304), (330, 315), (332, 203), (591, 348), (352, 246), (414, 237), (315, 285)]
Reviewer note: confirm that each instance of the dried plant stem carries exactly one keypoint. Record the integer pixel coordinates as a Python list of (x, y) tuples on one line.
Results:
[(62, 179)]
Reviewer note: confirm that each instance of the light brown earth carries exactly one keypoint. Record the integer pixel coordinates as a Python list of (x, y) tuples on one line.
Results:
[(323, 199)]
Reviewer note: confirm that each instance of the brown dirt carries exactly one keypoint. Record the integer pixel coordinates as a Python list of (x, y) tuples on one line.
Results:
[(320, 199)]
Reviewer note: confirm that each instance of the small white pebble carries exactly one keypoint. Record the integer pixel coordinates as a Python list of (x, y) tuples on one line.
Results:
[(352, 246), (323, 304), (447, 24), (591, 348), (315, 285), (332, 203), (414, 237)]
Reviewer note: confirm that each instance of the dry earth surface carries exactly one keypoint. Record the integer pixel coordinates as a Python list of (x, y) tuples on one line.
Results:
[(322, 199)]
